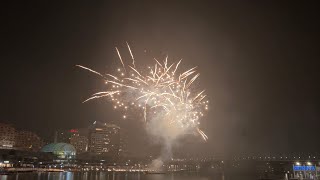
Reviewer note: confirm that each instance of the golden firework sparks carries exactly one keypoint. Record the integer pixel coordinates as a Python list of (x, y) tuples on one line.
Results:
[(158, 92)]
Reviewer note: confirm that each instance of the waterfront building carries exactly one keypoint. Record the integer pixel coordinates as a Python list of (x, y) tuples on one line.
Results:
[(11, 138), (7, 136), (28, 141), (79, 139), (98, 141), (104, 139), (62, 151)]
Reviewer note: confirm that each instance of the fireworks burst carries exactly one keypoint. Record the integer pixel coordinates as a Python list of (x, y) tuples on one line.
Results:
[(159, 91)]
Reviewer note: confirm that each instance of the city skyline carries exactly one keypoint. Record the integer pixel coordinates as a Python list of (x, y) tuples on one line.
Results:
[(80, 139)]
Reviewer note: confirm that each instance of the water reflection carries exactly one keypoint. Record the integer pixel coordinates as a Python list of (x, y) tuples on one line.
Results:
[(118, 176)]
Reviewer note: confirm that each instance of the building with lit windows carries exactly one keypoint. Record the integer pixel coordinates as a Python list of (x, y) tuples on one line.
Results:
[(79, 139), (7, 136), (28, 141), (104, 139), (11, 138)]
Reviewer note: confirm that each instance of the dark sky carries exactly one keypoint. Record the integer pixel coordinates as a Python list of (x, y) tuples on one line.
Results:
[(258, 63)]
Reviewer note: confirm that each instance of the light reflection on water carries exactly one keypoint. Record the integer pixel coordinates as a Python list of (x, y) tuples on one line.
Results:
[(117, 176)]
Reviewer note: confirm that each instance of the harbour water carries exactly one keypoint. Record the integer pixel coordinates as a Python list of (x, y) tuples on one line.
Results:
[(121, 176)]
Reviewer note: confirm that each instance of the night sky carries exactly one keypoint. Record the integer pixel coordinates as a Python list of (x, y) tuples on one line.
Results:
[(259, 64)]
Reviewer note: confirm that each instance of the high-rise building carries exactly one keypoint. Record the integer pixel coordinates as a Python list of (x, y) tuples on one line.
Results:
[(29, 141), (104, 139), (7, 136), (79, 139)]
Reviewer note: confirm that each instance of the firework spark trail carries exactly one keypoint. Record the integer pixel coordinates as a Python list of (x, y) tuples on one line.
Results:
[(90, 70), (100, 95), (120, 58), (204, 136), (163, 94), (131, 55)]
